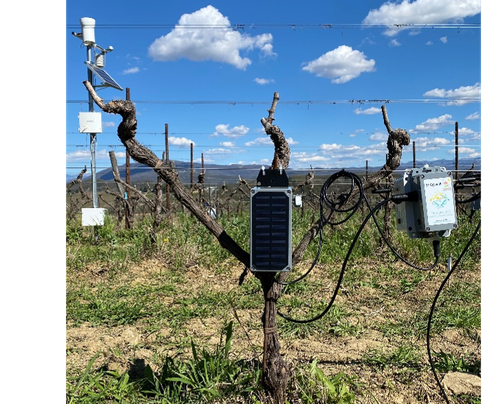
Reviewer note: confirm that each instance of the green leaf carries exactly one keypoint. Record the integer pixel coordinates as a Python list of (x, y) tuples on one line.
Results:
[(180, 379)]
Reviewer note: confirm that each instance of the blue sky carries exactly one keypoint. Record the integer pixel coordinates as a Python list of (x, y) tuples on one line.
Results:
[(209, 70)]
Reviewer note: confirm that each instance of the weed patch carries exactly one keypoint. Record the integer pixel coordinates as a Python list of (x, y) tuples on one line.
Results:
[(164, 319)]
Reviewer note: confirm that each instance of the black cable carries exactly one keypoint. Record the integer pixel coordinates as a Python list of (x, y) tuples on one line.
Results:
[(436, 243), (337, 206), (471, 199), (324, 199), (318, 252), (397, 198), (434, 305), (342, 272)]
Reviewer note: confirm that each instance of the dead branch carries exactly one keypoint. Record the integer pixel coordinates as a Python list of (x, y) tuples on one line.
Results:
[(106, 202), (275, 371), (395, 142), (126, 132), (79, 180), (307, 185), (142, 197), (397, 139), (281, 148), (116, 195), (116, 172)]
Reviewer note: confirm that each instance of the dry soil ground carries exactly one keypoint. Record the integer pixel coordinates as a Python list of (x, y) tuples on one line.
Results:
[(123, 345)]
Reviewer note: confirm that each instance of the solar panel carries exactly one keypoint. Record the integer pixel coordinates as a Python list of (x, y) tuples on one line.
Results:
[(105, 77), (270, 229)]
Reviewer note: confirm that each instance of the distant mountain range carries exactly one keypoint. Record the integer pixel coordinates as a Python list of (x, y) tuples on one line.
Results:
[(229, 174)]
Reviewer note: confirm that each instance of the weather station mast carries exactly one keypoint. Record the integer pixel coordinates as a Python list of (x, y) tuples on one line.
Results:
[(91, 122)]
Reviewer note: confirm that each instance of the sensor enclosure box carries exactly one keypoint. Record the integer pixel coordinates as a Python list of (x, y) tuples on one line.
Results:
[(271, 223), (90, 122), (433, 213), (93, 216)]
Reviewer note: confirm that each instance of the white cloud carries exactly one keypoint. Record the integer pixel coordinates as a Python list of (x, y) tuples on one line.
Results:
[(476, 136), (84, 155), (396, 14), (459, 96), (379, 136), (108, 124), (444, 39), (465, 131), (218, 151), (368, 111), (78, 155), (330, 147), (468, 151), (233, 133), (379, 149), (226, 144), (130, 57), (308, 158), (335, 154), (435, 123), (261, 81), (266, 141), (261, 161), (180, 141), (355, 133), (219, 44), (132, 70), (423, 144), (260, 141), (472, 117), (120, 155), (394, 42), (340, 65), (352, 152)]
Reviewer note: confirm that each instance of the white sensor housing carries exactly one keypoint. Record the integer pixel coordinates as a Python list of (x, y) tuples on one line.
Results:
[(434, 212)]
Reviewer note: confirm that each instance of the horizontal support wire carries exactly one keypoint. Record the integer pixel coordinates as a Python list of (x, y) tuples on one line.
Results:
[(450, 101), (251, 26)]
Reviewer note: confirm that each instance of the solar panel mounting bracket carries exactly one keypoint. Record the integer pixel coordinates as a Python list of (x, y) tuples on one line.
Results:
[(107, 80)]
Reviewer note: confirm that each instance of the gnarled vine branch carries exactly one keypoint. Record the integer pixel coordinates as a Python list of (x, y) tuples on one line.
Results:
[(126, 132), (275, 370), (281, 148), (395, 142)]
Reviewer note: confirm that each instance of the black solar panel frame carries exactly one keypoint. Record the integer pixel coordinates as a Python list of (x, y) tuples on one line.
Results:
[(270, 229)]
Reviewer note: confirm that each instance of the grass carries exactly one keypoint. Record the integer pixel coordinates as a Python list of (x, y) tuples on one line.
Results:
[(405, 355), (312, 386), (101, 386), (205, 376), (200, 333)]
